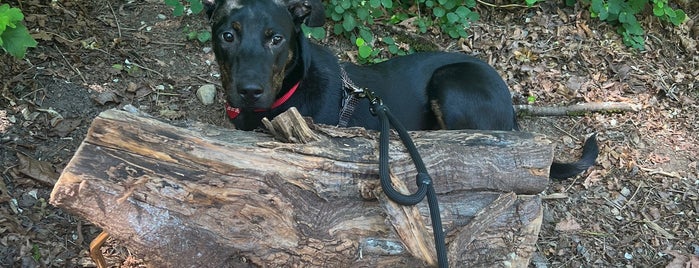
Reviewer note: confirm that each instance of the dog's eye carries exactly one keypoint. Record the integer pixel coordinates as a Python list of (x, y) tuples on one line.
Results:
[(228, 37), (276, 39)]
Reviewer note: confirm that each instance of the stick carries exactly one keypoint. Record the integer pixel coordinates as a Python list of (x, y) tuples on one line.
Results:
[(578, 109)]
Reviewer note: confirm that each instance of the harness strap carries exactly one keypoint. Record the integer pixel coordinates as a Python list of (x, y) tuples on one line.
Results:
[(352, 94), (348, 105)]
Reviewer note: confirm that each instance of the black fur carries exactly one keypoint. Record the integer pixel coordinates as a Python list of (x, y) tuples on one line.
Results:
[(263, 53)]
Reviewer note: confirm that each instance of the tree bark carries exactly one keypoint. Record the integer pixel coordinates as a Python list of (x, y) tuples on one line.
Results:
[(205, 196)]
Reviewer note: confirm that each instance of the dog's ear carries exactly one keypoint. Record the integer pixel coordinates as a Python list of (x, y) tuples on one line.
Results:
[(209, 7), (310, 12)]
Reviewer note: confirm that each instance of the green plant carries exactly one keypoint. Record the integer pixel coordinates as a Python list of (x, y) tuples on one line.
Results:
[(14, 36), (452, 16), (623, 13), (532, 2), (195, 6), (202, 35), (36, 254), (354, 19), (663, 11), (317, 33)]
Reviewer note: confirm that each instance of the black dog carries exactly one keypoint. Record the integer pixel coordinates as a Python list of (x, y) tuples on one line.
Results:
[(268, 66)]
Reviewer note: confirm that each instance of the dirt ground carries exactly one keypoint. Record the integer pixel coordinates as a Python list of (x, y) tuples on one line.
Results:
[(638, 207)]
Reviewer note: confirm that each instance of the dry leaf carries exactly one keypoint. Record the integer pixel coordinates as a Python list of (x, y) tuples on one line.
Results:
[(679, 260), (41, 171), (66, 126), (568, 225), (104, 97)]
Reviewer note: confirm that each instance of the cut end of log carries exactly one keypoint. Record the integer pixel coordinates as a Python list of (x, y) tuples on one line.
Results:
[(290, 127)]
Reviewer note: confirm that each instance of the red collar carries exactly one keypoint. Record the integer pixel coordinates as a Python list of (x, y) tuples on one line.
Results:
[(233, 112)]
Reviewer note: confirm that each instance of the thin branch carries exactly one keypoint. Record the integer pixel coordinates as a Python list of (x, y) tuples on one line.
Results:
[(578, 109), (116, 20), (71, 66), (503, 6)]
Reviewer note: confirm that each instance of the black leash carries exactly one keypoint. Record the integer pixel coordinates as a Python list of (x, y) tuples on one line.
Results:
[(423, 179)]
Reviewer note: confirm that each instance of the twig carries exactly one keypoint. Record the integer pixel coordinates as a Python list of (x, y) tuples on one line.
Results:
[(658, 229), (96, 252), (166, 43), (146, 68), (638, 188), (71, 66), (554, 196), (661, 172), (504, 6), (578, 109), (115, 18)]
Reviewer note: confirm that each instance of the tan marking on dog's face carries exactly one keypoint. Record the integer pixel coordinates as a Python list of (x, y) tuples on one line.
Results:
[(278, 74)]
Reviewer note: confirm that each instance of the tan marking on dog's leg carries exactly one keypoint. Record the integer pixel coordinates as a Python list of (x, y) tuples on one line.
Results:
[(438, 114)]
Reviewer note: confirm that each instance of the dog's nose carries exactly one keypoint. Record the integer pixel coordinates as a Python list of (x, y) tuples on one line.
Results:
[(250, 92)]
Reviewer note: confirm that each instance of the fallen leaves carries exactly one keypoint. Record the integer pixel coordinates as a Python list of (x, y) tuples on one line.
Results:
[(681, 260), (568, 225), (41, 171)]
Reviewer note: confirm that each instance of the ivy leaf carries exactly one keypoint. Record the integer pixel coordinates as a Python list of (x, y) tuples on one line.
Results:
[(452, 17), (462, 12), (8, 17), (438, 12), (366, 35), (364, 51), (387, 3), (614, 6), (179, 11), (679, 17), (388, 40), (204, 36), (362, 14), (317, 33), (17, 40), (196, 6), (669, 12), (173, 3), (348, 23)]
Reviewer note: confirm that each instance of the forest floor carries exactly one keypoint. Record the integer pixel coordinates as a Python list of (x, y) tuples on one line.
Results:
[(638, 207)]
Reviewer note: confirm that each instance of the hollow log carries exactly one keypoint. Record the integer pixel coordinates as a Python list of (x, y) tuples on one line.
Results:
[(205, 196)]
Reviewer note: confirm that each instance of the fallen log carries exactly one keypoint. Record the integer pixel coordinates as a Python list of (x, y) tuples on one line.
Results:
[(205, 196)]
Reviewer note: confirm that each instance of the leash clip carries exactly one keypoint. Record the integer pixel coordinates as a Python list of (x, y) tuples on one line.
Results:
[(353, 94)]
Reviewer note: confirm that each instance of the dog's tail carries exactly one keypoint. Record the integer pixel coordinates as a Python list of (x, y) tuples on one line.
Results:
[(590, 151)]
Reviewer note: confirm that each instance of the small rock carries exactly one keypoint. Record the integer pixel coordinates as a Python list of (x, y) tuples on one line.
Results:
[(130, 108), (206, 94), (625, 191)]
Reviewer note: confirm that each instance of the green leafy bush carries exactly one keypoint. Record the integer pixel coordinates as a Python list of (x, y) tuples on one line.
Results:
[(623, 13), (354, 18), (14, 36)]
